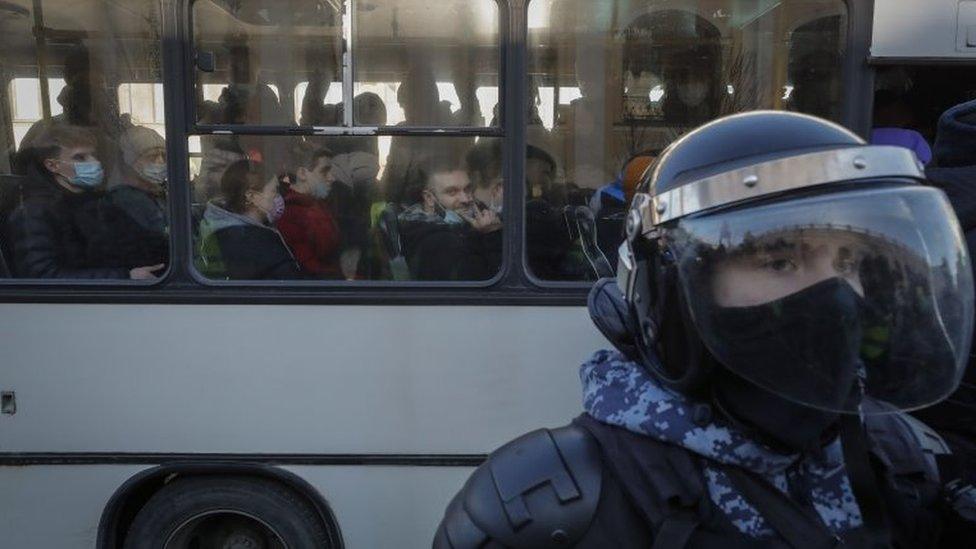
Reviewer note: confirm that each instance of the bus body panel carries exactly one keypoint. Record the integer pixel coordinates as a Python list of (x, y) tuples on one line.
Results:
[(57, 506), (386, 506), (924, 29), (287, 379)]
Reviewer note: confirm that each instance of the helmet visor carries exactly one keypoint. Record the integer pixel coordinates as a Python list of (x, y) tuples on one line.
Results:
[(829, 299)]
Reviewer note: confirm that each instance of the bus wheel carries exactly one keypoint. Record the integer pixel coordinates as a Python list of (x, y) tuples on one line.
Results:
[(226, 513)]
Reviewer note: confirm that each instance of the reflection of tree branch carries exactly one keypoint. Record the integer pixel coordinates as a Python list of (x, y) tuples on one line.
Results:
[(334, 4), (745, 87)]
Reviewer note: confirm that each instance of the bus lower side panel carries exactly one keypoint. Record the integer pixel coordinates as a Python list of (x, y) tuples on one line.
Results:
[(386, 506), (375, 506), (56, 506)]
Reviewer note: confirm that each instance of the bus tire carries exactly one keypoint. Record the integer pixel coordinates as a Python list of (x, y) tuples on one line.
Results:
[(175, 507)]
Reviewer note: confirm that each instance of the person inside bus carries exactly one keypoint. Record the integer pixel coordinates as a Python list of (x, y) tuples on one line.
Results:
[(355, 167), (893, 120), (238, 240), (581, 152), (50, 232), (246, 100), (549, 240), (84, 103), (815, 67), (953, 169), (307, 225), (444, 232), (134, 226), (419, 98), (693, 88)]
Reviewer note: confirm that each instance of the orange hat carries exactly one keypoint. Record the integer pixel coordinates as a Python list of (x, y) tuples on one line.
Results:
[(634, 172)]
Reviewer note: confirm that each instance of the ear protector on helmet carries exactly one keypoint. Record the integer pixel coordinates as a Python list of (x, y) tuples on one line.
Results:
[(666, 340)]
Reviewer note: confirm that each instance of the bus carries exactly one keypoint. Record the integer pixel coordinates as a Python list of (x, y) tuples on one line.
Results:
[(182, 367)]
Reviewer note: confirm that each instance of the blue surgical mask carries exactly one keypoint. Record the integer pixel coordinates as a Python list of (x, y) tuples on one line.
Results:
[(277, 210), (88, 175), (321, 189), (452, 218), (155, 173)]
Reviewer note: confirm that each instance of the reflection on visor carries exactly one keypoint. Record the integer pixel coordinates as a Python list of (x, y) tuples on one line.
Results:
[(774, 265), (831, 299)]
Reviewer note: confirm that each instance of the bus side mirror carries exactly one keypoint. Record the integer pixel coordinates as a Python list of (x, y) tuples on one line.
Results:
[(206, 61)]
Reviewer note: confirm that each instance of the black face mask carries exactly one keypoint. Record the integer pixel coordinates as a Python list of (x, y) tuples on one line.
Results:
[(806, 345), (773, 420)]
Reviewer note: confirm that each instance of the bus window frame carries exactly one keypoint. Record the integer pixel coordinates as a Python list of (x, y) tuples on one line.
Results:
[(349, 126), (514, 287), (15, 287), (196, 129)]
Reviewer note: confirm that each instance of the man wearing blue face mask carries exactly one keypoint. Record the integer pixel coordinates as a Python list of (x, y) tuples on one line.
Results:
[(444, 231), (50, 231)]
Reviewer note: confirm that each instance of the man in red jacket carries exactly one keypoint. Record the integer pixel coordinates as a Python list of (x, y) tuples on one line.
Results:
[(309, 228)]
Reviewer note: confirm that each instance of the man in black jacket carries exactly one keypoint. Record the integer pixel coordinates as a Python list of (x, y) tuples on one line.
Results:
[(49, 232), (446, 235), (755, 396), (953, 169)]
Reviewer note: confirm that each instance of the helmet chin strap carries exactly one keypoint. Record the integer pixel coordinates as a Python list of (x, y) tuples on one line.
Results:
[(864, 480)]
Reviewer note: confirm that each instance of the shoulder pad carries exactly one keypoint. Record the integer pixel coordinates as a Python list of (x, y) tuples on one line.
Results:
[(540, 490), (905, 444)]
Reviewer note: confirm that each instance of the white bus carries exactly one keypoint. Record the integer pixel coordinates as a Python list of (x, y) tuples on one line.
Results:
[(334, 384)]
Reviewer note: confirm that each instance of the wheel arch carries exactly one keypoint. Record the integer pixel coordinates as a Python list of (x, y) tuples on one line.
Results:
[(132, 495)]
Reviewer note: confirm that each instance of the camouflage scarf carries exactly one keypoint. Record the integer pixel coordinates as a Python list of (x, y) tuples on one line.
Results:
[(619, 392)]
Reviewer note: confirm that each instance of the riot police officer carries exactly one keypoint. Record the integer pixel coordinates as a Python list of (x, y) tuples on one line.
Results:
[(783, 294)]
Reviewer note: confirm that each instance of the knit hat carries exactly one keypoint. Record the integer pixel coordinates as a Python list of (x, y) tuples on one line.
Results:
[(137, 140), (954, 139)]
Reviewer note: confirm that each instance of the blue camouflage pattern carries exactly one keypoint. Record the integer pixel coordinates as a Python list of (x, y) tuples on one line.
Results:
[(619, 392)]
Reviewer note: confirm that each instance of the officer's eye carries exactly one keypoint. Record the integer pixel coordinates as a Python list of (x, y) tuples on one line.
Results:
[(779, 265)]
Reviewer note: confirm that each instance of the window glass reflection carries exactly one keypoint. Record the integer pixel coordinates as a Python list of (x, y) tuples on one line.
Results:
[(253, 54), (83, 183), (441, 59), (611, 85)]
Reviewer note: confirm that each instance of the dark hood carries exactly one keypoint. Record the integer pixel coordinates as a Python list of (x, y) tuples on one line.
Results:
[(953, 167), (40, 183), (955, 144)]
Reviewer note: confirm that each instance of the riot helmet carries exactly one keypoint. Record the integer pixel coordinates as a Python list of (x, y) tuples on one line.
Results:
[(782, 249)]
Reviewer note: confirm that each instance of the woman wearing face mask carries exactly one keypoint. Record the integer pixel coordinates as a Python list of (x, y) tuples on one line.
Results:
[(237, 235), (51, 232), (308, 226), (134, 228)]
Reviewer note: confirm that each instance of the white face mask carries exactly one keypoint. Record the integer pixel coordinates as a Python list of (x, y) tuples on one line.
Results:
[(155, 173), (321, 189), (497, 201), (693, 93)]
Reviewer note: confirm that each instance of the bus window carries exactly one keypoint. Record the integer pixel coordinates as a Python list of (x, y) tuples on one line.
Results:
[(259, 53), (26, 105), (82, 192), (324, 212), (143, 102), (438, 55), (610, 87)]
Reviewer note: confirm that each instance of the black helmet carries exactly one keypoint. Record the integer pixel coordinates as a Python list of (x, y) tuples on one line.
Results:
[(782, 248)]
